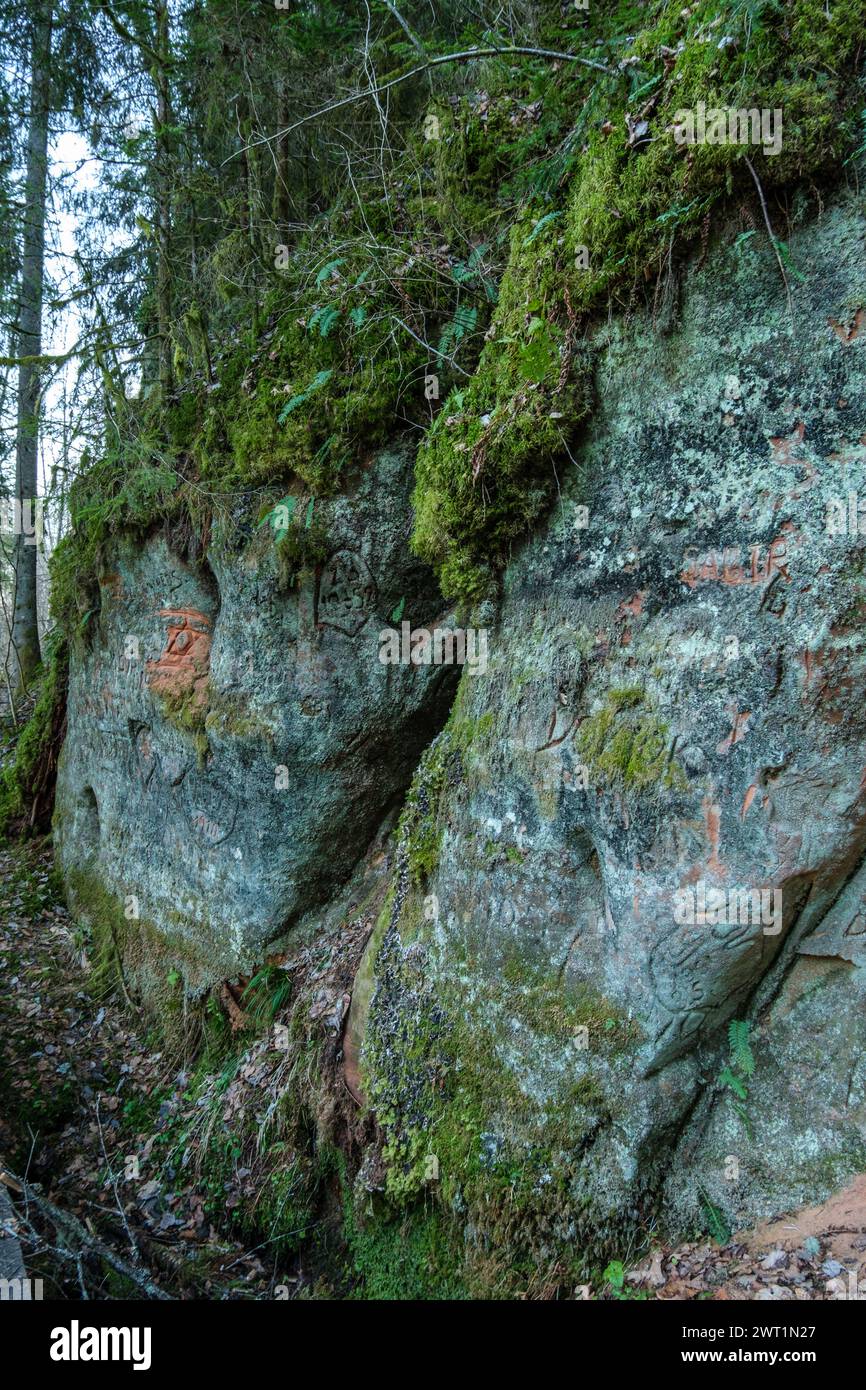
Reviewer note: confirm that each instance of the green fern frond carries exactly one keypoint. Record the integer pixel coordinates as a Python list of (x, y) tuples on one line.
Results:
[(463, 323), (323, 319), (295, 402), (328, 270), (540, 225), (715, 1219), (742, 1056)]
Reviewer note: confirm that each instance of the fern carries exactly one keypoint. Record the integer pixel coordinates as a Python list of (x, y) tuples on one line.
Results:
[(323, 319), (715, 1219), (453, 333), (733, 1083), (745, 1118), (464, 272), (679, 212), (741, 1066), (328, 270), (742, 1056), (551, 171), (540, 225), (294, 402), (785, 254), (742, 241)]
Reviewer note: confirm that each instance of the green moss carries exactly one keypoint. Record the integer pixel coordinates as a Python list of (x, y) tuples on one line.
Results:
[(462, 1124), (232, 715), (553, 1011), (167, 970), (442, 765), (123, 491), (301, 549), (27, 780), (185, 709), (100, 914), (831, 1171), (399, 1256), (470, 267), (624, 745), (483, 471)]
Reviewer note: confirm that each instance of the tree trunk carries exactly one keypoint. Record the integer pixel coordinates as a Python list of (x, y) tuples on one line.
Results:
[(282, 203), (25, 630), (164, 174)]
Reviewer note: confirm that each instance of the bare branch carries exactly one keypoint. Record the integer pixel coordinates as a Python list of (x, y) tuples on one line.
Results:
[(73, 1235), (413, 38), (467, 55)]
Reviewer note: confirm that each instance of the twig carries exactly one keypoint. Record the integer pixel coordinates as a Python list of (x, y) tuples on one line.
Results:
[(413, 38), (443, 356), (770, 232), (134, 1250)]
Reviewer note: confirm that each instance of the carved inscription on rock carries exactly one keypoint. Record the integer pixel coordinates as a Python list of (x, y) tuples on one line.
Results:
[(346, 593)]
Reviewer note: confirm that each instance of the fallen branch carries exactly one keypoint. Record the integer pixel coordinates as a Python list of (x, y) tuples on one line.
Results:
[(76, 1234)]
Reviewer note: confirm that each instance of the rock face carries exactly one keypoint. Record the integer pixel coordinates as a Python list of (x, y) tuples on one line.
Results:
[(643, 821), (234, 740), (671, 727)]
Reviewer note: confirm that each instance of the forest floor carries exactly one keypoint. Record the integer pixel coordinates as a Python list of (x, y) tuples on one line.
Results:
[(75, 1074), (78, 1075)]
